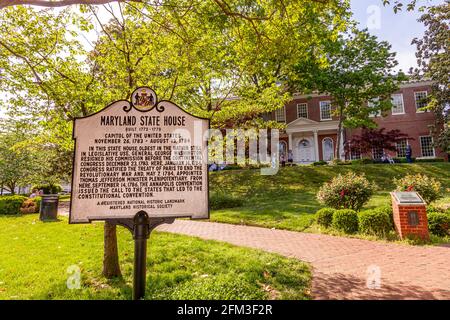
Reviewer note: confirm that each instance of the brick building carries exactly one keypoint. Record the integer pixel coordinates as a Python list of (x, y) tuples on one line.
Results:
[(311, 129)]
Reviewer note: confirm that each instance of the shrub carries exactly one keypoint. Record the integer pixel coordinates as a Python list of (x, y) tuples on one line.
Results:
[(320, 163), (29, 206), (374, 222), (438, 223), (345, 220), (11, 204), (325, 216), (48, 188), (350, 191), (430, 160), (222, 200), (362, 161), (428, 188)]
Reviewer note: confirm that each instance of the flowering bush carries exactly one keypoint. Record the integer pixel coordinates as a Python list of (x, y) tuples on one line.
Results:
[(428, 188), (345, 220), (349, 191)]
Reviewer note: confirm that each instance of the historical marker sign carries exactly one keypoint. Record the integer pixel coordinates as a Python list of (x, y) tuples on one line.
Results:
[(143, 155)]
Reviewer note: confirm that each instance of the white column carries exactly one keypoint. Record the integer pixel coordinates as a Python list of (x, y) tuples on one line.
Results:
[(316, 145), (290, 142), (341, 146)]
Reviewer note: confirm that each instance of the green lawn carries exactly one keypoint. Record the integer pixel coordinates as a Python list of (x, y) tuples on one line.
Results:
[(287, 200), (34, 257)]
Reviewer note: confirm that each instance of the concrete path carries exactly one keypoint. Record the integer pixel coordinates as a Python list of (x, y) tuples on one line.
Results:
[(343, 267)]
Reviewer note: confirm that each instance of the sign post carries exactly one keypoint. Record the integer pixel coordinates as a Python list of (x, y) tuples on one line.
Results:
[(139, 164)]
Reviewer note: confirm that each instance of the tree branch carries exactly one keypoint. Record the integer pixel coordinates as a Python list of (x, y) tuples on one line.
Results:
[(53, 4)]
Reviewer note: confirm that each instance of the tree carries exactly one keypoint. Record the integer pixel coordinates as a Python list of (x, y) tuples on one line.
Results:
[(434, 63), (356, 69), (198, 54), (52, 4), (371, 139)]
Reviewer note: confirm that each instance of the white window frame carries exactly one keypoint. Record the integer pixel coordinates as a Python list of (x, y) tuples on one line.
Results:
[(305, 104), (415, 100), (370, 105), (396, 147), (323, 148), (403, 104), (320, 109), (421, 148), (284, 112), (373, 153)]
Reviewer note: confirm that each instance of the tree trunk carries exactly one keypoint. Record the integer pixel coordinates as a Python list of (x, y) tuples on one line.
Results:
[(111, 267)]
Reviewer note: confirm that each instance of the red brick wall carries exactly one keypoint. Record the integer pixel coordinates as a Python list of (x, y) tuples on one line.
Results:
[(413, 123)]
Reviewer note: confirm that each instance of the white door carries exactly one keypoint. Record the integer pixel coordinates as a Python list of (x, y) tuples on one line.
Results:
[(305, 151), (328, 149)]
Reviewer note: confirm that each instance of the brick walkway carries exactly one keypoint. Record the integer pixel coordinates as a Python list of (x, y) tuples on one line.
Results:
[(340, 265)]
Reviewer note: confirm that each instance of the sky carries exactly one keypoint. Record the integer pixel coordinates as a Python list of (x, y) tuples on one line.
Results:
[(398, 29)]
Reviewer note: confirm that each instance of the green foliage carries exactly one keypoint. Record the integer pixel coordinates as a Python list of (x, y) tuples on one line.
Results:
[(220, 200), (428, 187), (429, 160), (439, 223), (320, 163), (356, 69), (345, 220), (48, 188), (324, 217), (350, 191), (10, 205), (362, 161), (375, 222)]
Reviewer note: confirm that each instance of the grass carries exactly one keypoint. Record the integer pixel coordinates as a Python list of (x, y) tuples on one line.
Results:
[(34, 257), (287, 200)]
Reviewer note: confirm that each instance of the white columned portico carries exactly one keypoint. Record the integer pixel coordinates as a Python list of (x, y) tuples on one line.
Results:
[(316, 145), (289, 142)]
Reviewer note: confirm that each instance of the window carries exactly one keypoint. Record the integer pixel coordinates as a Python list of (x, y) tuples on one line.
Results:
[(280, 115), (355, 153), (421, 100), (371, 104), (377, 153), (302, 110), (325, 110), (397, 101), (401, 148), (426, 145)]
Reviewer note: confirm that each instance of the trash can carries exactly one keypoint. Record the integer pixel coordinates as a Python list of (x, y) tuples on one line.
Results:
[(49, 207)]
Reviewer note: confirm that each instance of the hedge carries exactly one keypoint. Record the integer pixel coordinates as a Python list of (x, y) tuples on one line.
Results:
[(345, 220), (11, 204)]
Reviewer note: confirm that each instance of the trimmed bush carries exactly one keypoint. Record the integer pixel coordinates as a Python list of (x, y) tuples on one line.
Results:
[(430, 160), (29, 206), (224, 200), (345, 220), (349, 191), (439, 223), (362, 161), (48, 188), (428, 188), (325, 217), (374, 222), (11, 204), (320, 163)]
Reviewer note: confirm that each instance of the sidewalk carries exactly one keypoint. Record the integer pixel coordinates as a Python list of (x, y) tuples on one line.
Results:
[(341, 264)]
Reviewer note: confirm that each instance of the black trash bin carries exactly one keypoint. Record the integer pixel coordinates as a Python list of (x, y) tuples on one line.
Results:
[(49, 207)]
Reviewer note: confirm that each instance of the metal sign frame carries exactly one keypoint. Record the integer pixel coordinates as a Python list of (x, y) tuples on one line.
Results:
[(141, 225)]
